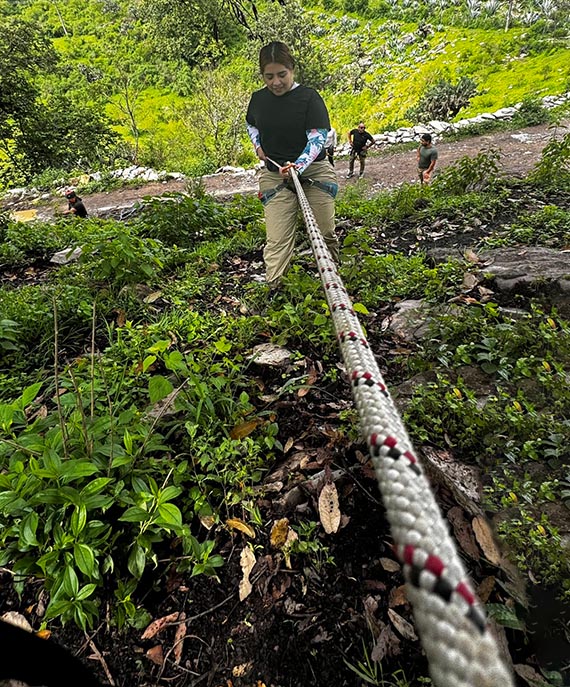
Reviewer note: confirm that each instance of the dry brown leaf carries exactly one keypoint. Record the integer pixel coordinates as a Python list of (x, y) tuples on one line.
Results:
[(121, 318), (529, 675), (237, 524), (390, 565), (329, 511), (288, 445), (279, 533), (405, 628), (158, 625), (17, 620), (387, 644), (152, 297), (485, 588), (463, 532), (247, 561), (43, 634), (486, 539), (179, 639), (207, 521), (245, 429), (291, 537), (398, 596), (471, 255), (242, 669), (156, 655)]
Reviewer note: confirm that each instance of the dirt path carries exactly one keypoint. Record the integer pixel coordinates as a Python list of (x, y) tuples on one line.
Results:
[(520, 150)]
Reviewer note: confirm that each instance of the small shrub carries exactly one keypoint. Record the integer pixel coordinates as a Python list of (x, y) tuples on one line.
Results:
[(553, 169), (530, 113), (183, 220), (443, 100), (470, 173)]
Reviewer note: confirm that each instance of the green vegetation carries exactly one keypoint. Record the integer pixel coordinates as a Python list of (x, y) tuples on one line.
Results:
[(166, 85), (130, 413)]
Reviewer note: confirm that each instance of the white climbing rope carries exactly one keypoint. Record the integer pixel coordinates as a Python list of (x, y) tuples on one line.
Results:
[(460, 648)]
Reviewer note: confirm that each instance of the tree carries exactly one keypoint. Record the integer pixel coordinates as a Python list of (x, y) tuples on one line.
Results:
[(36, 131), (292, 25), (196, 32), (216, 112)]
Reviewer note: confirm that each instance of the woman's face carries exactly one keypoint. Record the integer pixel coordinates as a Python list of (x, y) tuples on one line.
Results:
[(278, 78)]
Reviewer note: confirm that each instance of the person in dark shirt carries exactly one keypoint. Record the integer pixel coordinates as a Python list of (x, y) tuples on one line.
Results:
[(75, 205), (288, 125), (360, 141)]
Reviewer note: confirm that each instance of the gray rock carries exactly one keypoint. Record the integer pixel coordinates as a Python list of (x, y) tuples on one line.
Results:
[(63, 257), (531, 272)]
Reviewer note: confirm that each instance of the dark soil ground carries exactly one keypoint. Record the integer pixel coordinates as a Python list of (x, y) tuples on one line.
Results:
[(306, 621)]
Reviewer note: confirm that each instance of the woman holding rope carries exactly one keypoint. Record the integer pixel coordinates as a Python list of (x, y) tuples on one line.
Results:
[(288, 125)]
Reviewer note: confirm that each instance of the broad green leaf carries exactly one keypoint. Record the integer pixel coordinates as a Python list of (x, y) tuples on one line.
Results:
[(320, 319), (169, 493), (135, 514), (169, 516), (70, 582), (158, 388), (160, 346), (359, 307), (148, 361), (128, 442), (78, 519), (10, 502), (6, 415), (85, 559), (174, 361), (28, 528), (223, 345), (57, 608), (29, 394), (72, 469), (505, 616), (86, 591), (137, 560), (96, 486), (118, 461)]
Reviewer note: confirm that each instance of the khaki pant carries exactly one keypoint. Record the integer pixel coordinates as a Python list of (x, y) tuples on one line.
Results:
[(281, 217)]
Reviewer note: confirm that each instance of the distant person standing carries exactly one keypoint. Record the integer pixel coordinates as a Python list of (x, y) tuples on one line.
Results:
[(330, 144), (360, 142), (75, 205), (427, 157)]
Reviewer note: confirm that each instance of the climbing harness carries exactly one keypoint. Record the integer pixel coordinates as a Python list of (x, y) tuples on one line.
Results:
[(326, 186), (460, 648)]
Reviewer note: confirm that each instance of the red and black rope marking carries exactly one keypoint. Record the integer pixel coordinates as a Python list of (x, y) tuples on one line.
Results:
[(393, 452), (441, 586), (368, 380)]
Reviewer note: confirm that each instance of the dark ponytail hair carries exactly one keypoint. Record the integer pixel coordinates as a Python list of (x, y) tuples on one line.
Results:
[(276, 52)]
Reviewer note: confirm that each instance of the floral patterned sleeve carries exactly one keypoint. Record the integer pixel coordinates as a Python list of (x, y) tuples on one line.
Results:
[(253, 133), (315, 143)]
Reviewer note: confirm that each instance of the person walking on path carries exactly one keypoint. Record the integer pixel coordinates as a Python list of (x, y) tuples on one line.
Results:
[(427, 157), (331, 144), (360, 142), (75, 205), (288, 124)]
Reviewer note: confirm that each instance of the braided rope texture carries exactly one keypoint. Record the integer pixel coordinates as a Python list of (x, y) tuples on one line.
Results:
[(459, 646)]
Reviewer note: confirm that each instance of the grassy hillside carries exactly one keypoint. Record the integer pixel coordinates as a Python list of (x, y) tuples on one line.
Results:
[(372, 62)]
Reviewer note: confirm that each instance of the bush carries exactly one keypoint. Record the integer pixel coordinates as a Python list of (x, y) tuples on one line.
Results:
[(530, 113), (443, 100), (183, 220), (553, 170)]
